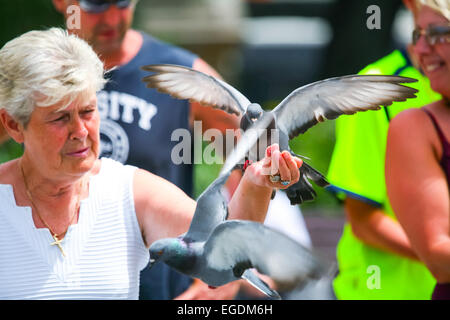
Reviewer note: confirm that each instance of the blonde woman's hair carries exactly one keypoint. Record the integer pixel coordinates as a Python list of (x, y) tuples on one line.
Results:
[(442, 6), (42, 68)]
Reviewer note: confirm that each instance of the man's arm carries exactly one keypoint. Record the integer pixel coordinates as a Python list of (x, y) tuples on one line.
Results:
[(357, 166), (374, 227)]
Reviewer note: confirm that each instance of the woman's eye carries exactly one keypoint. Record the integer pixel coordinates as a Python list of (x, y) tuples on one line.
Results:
[(65, 117), (89, 111)]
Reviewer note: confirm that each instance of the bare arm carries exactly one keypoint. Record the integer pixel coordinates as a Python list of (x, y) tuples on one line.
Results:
[(418, 189), (163, 210), (374, 227)]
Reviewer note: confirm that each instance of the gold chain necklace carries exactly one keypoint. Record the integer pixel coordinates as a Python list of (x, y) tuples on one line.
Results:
[(55, 236)]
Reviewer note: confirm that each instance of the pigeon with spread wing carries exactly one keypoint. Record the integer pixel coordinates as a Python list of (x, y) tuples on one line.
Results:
[(299, 111), (219, 251)]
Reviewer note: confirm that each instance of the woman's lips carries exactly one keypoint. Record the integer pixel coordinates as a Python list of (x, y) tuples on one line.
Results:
[(432, 65), (79, 153)]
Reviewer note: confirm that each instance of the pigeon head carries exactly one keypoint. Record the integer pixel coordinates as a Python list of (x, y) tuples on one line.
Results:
[(254, 112), (169, 250)]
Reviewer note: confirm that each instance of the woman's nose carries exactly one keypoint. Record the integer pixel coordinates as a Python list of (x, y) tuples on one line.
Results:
[(78, 129), (422, 46)]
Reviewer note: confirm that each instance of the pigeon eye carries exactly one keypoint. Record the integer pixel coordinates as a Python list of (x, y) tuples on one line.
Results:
[(160, 252)]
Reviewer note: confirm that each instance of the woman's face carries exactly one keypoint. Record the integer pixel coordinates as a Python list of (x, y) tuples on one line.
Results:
[(64, 143), (434, 59)]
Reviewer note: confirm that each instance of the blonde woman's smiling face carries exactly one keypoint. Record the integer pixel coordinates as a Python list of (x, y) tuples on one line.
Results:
[(434, 59)]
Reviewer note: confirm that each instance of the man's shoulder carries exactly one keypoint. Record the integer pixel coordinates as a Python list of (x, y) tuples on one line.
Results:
[(166, 52)]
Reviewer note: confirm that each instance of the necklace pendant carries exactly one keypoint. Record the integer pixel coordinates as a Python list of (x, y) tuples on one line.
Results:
[(58, 243)]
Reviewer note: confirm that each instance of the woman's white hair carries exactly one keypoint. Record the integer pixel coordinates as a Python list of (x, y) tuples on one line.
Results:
[(42, 68), (442, 6)]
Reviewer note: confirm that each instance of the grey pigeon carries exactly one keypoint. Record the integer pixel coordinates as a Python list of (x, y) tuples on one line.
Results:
[(218, 251), (299, 111)]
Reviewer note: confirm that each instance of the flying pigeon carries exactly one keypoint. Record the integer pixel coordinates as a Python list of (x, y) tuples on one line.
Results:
[(219, 251), (299, 111)]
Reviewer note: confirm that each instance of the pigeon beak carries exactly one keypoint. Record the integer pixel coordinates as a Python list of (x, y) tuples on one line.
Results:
[(152, 263), (254, 119)]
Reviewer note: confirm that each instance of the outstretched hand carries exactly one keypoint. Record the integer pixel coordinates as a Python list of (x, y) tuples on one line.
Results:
[(277, 170)]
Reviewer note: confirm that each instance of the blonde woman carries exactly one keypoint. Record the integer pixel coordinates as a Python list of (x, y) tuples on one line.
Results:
[(418, 150)]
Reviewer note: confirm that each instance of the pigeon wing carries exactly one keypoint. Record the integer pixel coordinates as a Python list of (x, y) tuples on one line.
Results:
[(211, 207), (237, 245), (186, 83), (330, 98)]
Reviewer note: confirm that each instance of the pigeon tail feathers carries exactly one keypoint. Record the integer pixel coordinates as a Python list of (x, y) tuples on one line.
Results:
[(259, 284)]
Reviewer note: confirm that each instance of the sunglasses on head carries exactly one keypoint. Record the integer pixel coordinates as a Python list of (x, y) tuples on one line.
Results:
[(433, 34), (99, 6)]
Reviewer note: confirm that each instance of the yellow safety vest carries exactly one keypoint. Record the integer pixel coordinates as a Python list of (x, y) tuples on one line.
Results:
[(357, 170)]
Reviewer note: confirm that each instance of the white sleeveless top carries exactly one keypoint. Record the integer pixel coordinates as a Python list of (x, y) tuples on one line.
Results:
[(104, 250)]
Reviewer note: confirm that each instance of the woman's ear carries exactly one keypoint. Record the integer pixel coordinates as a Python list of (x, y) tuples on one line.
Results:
[(11, 126)]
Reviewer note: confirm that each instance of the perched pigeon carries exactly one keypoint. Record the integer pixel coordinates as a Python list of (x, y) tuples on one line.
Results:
[(299, 111), (219, 251)]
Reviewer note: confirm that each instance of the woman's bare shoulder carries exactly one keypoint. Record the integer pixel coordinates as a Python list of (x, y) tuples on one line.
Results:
[(8, 172), (413, 123), (408, 117), (413, 129)]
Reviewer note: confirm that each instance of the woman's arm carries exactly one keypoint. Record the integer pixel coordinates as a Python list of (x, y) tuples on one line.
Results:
[(418, 189), (163, 210)]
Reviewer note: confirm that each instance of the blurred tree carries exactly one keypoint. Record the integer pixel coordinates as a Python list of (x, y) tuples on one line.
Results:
[(20, 16), (354, 45)]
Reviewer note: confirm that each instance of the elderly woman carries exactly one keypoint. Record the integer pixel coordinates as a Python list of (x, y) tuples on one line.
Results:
[(418, 150), (72, 225)]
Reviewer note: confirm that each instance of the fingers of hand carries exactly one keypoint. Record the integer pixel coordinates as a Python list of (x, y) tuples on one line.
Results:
[(283, 167), (298, 162), (292, 165), (276, 160), (281, 164), (271, 148)]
